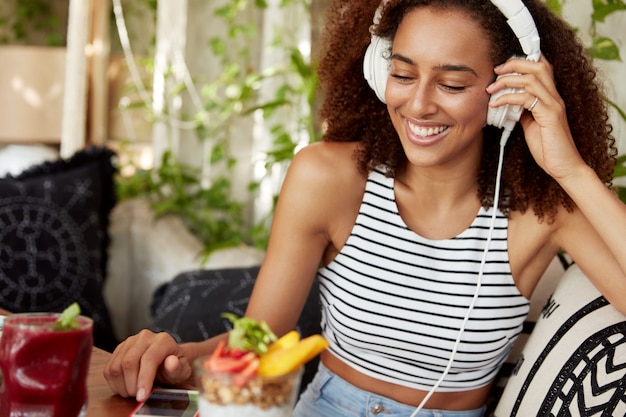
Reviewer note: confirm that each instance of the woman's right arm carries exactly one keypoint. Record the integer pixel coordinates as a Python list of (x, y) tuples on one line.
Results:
[(307, 212), (299, 237)]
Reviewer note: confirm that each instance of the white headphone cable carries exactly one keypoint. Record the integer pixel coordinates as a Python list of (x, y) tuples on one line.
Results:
[(503, 140)]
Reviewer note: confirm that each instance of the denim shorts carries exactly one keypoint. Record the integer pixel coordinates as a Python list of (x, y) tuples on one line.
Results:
[(330, 396)]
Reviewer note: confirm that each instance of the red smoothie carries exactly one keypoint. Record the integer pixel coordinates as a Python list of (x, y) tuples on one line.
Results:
[(44, 371)]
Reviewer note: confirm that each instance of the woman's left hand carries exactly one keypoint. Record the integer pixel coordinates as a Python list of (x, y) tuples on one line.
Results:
[(545, 125)]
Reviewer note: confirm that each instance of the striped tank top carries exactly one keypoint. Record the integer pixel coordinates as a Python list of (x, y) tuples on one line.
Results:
[(393, 302)]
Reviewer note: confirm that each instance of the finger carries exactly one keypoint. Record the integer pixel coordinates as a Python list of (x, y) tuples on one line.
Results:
[(131, 363), (114, 371), (524, 91), (122, 370), (162, 346), (525, 66), (112, 375), (513, 96), (175, 370), (534, 75)]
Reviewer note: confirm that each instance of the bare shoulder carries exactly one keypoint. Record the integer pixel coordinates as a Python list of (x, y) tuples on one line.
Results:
[(327, 166), (322, 193), (328, 156)]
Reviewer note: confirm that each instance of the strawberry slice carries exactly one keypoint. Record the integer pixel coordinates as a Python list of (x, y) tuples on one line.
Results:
[(229, 364), (218, 352), (236, 353), (246, 374)]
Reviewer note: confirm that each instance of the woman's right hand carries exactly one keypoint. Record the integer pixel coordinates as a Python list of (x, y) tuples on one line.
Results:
[(144, 358)]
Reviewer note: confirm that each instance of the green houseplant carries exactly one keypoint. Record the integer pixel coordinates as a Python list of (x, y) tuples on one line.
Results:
[(175, 187)]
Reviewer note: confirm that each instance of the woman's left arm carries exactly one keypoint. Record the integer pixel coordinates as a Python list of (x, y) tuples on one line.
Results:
[(594, 233)]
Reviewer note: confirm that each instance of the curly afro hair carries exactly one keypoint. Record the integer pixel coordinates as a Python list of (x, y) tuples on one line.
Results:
[(352, 112)]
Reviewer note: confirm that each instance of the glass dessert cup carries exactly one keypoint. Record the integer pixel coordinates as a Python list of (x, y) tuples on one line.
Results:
[(44, 371), (261, 396)]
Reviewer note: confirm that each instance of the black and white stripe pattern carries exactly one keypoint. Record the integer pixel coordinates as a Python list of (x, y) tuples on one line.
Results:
[(393, 301)]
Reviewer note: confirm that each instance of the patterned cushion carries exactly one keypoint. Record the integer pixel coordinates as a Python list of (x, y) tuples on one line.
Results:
[(53, 237), (574, 363), (189, 307)]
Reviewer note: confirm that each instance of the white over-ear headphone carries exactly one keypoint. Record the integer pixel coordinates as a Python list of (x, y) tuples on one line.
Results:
[(376, 64)]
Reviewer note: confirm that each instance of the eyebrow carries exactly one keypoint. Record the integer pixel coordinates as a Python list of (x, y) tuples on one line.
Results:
[(444, 67)]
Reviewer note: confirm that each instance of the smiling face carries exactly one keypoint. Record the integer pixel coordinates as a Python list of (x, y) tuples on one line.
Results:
[(440, 67)]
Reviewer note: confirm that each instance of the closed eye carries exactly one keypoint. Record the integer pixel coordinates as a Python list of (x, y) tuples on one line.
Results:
[(453, 88), (401, 78)]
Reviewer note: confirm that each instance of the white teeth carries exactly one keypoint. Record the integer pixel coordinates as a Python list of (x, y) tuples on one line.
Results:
[(426, 132)]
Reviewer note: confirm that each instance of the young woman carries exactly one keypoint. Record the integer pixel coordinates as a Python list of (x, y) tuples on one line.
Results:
[(393, 211)]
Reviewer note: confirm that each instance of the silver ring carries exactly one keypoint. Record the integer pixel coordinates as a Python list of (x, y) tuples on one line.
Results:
[(532, 106)]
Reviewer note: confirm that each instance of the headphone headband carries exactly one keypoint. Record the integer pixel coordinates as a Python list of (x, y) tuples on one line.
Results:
[(521, 22)]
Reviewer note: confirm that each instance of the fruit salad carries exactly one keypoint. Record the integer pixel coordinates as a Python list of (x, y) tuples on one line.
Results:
[(254, 373)]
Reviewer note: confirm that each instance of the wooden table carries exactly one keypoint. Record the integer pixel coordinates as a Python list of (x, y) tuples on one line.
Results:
[(101, 401)]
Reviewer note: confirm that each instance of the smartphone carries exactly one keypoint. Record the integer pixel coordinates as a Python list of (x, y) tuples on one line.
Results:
[(168, 402)]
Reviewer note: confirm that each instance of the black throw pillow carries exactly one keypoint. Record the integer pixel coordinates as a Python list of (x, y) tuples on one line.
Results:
[(54, 220), (189, 307)]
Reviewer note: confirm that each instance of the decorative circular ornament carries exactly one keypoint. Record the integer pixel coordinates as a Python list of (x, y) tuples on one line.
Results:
[(47, 258)]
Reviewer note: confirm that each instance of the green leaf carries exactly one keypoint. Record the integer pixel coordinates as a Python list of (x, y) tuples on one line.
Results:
[(67, 320), (555, 6), (617, 108), (620, 171), (248, 334), (218, 46), (603, 8), (605, 48)]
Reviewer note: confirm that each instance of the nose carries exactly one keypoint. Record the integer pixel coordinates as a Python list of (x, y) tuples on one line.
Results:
[(422, 100)]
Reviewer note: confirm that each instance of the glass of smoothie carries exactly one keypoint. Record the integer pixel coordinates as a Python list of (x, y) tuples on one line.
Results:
[(44, 371)]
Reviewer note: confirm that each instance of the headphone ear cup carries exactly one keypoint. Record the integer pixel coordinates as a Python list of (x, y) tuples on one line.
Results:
[(495, 115), (376, 66), (505, 116)]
